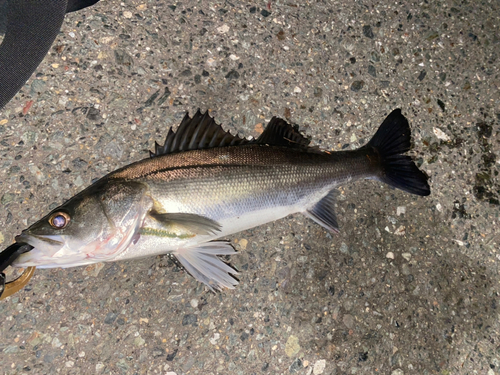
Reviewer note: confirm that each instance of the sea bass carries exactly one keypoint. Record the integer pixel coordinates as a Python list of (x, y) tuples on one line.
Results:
[(204, 184)]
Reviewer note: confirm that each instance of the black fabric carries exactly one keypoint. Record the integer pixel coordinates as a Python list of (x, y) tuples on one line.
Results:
[(30, 28), (3, 16), (74, 5)]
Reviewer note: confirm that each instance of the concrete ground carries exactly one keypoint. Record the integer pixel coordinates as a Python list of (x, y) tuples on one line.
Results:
[(409, 286)]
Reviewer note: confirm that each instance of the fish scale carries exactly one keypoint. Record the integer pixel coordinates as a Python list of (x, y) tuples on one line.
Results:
[(244, 174)]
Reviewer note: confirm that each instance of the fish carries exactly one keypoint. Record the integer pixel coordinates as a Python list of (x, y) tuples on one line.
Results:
[(204, 184)]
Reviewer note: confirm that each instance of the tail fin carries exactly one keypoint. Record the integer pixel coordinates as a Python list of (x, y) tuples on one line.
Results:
[(391, 141)]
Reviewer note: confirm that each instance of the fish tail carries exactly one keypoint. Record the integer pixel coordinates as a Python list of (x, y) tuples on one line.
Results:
[(390, 142)]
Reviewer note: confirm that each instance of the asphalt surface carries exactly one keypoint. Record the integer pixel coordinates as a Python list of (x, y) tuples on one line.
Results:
[(409, 286)]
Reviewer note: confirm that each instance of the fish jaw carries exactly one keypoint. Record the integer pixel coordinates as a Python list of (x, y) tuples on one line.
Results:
[(52, 244), (48, 253)]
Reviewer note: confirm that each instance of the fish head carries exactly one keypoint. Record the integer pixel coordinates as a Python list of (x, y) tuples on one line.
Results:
[(96, 225)]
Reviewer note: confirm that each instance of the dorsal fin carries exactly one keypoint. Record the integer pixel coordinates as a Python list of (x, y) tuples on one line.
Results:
[(201, 132), (196, 133), (280, 133)]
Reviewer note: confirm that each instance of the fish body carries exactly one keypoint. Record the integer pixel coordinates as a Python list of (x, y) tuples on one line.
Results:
[(205, 184), (241, 187)]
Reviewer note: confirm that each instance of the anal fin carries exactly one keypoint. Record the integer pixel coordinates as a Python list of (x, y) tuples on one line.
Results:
[(323, 212), (204, 265)]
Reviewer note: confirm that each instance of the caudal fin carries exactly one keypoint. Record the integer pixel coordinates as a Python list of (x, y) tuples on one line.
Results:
[(391, 141)]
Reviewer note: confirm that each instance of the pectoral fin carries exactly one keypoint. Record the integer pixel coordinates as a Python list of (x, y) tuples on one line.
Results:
[(323, 213), (204, 265), (191, 223)]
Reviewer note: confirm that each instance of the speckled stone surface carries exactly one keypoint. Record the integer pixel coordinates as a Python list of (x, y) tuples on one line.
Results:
[(409, 286)]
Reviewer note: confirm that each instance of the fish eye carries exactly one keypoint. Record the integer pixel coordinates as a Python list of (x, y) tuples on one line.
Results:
[(59, 220)]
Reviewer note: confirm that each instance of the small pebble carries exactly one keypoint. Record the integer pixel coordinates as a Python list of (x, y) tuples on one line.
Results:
[(400, 231), (405, 269), (368, 32), (243, 243), (292, 346), (190, 319), (174, 298), (37, 172), (344, 248), (357, 85), (223, 29), (441, 134), (390, 255), (78, 181), (319, 367), (259, 128), (93, 269), (56, 343), (422, 74), (214, 339), (110, 318), (139, 341), (348, 320)]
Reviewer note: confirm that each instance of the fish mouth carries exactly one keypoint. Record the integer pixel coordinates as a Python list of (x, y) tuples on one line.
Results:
[(48, 251), (49, 239), (52, 243)]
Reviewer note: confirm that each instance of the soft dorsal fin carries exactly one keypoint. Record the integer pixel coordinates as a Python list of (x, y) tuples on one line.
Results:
[(196, 133), (280, 133)]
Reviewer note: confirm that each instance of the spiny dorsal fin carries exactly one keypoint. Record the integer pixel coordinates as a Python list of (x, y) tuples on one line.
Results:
[(196, 133), (280, 133)]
